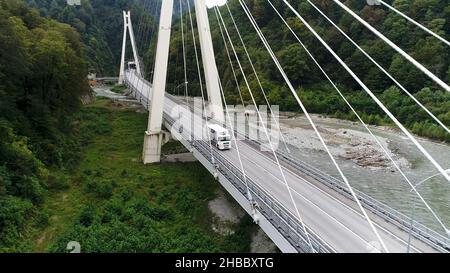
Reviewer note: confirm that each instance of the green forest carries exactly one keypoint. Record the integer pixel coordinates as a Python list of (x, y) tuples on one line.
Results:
[(55, 184), (43, 77), (315, 91), (50, 143), (100, 24)]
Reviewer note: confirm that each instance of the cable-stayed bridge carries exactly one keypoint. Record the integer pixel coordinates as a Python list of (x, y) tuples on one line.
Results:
[(301, 208)]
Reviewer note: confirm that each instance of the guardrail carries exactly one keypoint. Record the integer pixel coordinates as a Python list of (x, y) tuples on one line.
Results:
[(280, 217), (382, 210), (277, 214), (389, 214)]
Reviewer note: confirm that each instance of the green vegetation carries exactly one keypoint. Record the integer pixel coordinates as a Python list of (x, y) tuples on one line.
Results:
[(173, 147), (73, 173), (42, 78), (406, 110), (119, 88), (125, 206), (312, 87), (100, 24), (111, 202)]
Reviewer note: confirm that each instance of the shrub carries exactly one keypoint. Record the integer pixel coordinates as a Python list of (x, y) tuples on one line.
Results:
[(42, 219), (87, 216), (101, 188), (57, 182), (14, 214)]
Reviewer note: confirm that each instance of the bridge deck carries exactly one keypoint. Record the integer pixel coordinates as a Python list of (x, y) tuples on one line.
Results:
[(332, 218)]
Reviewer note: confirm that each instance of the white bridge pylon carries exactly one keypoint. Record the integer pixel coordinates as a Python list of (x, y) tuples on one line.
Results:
[(128, 28), (153, 136)]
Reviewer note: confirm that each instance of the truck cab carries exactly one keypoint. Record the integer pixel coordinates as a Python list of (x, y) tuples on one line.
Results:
[(220, 137)]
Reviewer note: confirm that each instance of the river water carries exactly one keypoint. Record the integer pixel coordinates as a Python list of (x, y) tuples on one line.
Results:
[(385, 184), (351, 146), (382, 183)]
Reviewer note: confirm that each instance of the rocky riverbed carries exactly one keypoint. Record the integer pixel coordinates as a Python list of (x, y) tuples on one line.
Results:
[(366, 165), (359, 147)]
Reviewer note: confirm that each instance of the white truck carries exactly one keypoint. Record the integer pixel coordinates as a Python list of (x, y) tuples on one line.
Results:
[(220, 137)]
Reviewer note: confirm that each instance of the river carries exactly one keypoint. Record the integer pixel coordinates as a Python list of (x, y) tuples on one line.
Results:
[(381, 181), (365, 164)]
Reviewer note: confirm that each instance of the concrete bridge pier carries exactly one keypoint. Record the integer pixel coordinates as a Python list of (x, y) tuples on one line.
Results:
[(153, 142), (153, 137), (152, 147)]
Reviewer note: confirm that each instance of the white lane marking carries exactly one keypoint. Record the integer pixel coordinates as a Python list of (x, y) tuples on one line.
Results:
[(329, 195), (368, 244), (320, 190), (389, 233)]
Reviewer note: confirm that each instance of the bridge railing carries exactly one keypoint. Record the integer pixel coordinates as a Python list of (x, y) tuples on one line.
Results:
[(382, 210), (389, 214), (280, 217)]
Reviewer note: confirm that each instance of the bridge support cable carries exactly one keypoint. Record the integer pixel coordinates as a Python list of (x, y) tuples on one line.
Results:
[(149, 29), (414, 22), (184, 52), (249, 195), (265, 130), (371, 94), (258, 80), (277, 63), (141, 23), (381, 68), (242, 101), (176, 84), (230, 121), (146, 26), (230, 60), (146, 33), (142, 29), (252, 202), (236, 82), (155, 33), (185, 83), (150, 34), (200, 82), (394, 46), (359, 117)]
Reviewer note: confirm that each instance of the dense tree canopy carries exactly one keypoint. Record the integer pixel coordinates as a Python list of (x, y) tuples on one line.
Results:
[(43, 67), (100, 24), (312, 87), (42, 78)]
